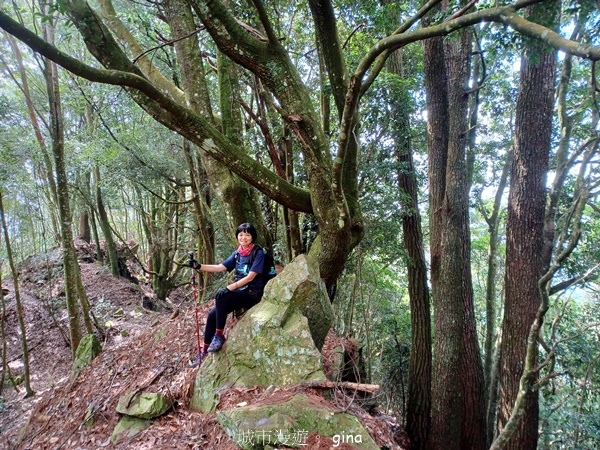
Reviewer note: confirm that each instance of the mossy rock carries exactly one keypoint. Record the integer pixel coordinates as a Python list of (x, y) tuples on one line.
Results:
[(259, 352), (289, 423), (89, 347), (274, 343), (128, 427), (144, 405), (300, 287)]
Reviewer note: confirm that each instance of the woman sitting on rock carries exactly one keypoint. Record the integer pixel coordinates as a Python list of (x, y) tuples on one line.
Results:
[(245, 291)]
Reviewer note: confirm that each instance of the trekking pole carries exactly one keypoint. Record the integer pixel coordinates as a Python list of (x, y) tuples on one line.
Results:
[(195, 292)]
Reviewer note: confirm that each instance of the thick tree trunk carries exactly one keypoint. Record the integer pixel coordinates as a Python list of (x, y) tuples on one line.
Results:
[(445, 413), (524, 235), (458, 411), (458, 62)]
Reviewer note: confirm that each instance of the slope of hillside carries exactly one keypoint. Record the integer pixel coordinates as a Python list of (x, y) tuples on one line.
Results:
[(143, 350)]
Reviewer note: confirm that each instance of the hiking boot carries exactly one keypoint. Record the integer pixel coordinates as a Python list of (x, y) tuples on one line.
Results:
[(216, 343), (196, 362)]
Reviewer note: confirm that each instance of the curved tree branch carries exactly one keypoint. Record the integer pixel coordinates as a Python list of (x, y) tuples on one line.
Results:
[(379, 64), (148, 68), (505, 14), (166, 110)]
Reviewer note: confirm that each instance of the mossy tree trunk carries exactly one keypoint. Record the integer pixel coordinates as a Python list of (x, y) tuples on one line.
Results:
[(239, 200), (71, 266)]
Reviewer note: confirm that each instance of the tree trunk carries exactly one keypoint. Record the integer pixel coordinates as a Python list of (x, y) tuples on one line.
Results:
[(491, 316), (458, 412), (241, 199), (3, 333), (445, 415), (524, 235), (202, 200), (70, 263), (85, 232), (99, 255), (418, 408), (293, 235), (458, 50), (109, 242), (20, 313), (238, 199)]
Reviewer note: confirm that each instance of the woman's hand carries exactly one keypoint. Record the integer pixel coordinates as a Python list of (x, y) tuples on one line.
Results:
[(233, 286)]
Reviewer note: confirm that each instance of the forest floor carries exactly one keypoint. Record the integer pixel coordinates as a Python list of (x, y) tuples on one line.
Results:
[(143, 349)]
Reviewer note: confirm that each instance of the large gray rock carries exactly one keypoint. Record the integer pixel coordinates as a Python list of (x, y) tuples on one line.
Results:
[(274, 343), (289, 423)]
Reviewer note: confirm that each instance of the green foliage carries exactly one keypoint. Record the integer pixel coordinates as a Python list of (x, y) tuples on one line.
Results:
[(372, 307), (572, 396)]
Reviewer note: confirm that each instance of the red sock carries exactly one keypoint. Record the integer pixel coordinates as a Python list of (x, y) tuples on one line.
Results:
[(219, 332), (205, 346)]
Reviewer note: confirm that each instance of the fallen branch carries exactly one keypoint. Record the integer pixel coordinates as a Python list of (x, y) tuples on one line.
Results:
[(342, 384)]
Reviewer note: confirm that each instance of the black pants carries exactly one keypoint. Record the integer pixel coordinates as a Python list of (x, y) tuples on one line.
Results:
[(227, 301)]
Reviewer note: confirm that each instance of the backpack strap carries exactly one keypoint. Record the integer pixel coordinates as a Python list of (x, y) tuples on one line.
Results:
[(256, 248)]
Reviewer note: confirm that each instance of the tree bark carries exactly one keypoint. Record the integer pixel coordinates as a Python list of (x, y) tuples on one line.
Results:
[(525, 229), (418, 408), (71, 266), (458, 50), (458, 411)]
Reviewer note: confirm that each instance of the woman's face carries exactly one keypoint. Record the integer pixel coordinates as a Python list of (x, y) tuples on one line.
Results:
[(244, 238)]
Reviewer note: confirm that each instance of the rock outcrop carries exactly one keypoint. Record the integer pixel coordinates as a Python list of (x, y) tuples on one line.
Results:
[(277, 342), (289, 423)]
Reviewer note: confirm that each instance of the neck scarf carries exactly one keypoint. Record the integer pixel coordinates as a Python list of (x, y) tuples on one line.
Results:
[(245, 252)]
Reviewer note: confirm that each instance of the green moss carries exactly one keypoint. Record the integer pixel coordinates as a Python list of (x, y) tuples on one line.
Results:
[(276, 424), (89, 347), (145, 405), (128, 427)]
